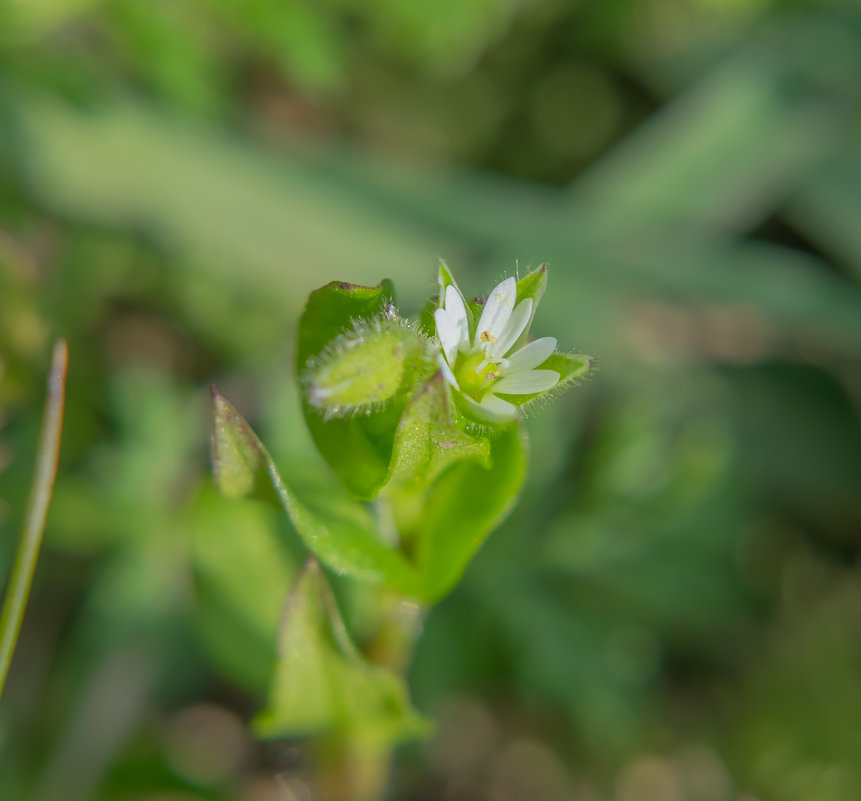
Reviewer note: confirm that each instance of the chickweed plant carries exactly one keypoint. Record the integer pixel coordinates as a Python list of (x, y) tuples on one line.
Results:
[(421, 423)]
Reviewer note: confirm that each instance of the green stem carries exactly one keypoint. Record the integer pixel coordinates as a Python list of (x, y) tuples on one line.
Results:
[(369, 767), (21, 578)]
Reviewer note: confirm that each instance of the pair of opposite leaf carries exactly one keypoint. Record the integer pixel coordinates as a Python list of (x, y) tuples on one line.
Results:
[(490, 368)]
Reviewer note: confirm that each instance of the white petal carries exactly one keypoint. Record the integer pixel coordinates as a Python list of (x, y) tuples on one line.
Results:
[(527, 382), (448, 374), (456, 309), (499, 406), (446, 330), (485, 413), (516, 323), (530, 356), (496, 312)]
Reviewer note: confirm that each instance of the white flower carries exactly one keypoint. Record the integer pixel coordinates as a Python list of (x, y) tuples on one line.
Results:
[(480, 366)]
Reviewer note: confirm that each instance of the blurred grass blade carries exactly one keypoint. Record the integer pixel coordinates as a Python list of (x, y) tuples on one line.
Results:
[(162, 175), (21, 578), (826, 209), (727, 151)]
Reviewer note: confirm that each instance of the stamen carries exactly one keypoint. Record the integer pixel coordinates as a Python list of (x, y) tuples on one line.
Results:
[(487, 337)]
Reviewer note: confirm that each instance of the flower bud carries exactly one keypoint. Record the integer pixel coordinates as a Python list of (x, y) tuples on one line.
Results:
[(362, 369)]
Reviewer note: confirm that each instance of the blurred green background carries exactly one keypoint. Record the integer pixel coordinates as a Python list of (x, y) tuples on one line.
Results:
[(673, 612)]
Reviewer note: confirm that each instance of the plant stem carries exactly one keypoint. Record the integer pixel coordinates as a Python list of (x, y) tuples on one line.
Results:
[(370, 766), (21, 577)]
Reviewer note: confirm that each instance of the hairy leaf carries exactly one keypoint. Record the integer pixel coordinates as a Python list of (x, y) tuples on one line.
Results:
[(359, 448), (243, 466)]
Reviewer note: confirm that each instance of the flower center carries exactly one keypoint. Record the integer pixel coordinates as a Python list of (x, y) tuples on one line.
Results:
[(475, 374)]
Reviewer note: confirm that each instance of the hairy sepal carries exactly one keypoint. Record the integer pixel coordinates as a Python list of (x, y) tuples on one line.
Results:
[(368, 365), (572, 368)]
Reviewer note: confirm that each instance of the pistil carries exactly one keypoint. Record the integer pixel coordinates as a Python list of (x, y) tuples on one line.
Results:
[(475, 374)]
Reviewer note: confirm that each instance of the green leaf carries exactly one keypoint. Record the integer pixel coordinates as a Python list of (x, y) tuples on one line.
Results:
[(322, 683), (358, 449), (240, 465), (467, 501), (241, 571), (344, 539), (570, 366), (332, 309)]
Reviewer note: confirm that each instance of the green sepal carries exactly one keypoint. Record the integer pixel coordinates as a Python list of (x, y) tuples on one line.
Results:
[(427, 324), (446, 279), (571, 368), (532, 285), (321, 681), (342, 535)]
